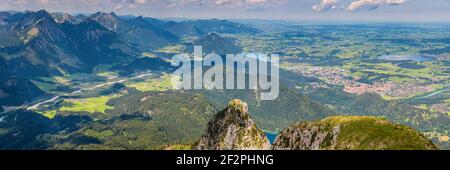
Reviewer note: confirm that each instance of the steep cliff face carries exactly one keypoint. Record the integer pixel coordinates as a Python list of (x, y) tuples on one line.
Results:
[(233, 129), (351, 133)]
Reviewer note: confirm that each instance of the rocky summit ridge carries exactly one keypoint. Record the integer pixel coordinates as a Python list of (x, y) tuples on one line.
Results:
[(233, 129)]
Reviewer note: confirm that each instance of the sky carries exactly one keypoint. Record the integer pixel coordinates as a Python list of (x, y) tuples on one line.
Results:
[(303, 10)]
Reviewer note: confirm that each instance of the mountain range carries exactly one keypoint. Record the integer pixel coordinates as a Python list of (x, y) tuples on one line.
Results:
[(42, 44)]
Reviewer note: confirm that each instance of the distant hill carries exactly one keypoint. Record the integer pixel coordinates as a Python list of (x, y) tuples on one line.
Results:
[(154, 26), (137, 31), (80, 17), (199, 27), (351, 133), (213, 42), (142, 64), (183, 29), (155, 22)]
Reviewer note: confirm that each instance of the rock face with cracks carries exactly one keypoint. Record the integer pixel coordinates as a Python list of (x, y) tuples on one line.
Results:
[(233, 129)]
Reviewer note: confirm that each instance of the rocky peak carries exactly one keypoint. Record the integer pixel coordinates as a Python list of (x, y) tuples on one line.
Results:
[(42, 14), (213, 36), (108, 20), (102, 15), (113, 15), (64, 18), (239, 108), (33, 18), (233, 129), (139, 19), (39, 25)]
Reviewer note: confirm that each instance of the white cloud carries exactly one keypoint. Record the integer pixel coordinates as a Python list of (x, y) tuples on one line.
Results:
[(372, 4), (325, 5), (223, 3), (139, 3), (255, 5)]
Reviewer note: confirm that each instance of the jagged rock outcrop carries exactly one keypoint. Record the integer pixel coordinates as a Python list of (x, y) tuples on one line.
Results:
[(233, 129), (351, 133)]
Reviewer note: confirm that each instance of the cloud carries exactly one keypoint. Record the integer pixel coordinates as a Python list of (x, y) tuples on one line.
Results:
[(78, 3), (241, 2), (43, 1), (118, 4), (141, 5), (325, 5), (245, 4), (372, 4)]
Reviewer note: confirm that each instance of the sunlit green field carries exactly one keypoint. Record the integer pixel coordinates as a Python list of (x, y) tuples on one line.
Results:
[(90, 105), (161, 84)]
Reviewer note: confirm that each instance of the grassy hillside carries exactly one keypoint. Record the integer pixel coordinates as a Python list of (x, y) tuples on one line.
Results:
[(355, 133), (145, 121)]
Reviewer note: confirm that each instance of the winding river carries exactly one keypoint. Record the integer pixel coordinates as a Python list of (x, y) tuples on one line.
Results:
[(37, 105)]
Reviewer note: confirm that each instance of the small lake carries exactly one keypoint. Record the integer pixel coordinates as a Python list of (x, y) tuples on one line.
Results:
[(271, 136), (417, 58)]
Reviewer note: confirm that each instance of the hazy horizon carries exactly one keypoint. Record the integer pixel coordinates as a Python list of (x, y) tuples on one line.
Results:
[(285, 10)]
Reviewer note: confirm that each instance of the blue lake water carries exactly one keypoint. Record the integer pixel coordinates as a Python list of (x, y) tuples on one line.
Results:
[(417, 58), (271, 136)]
